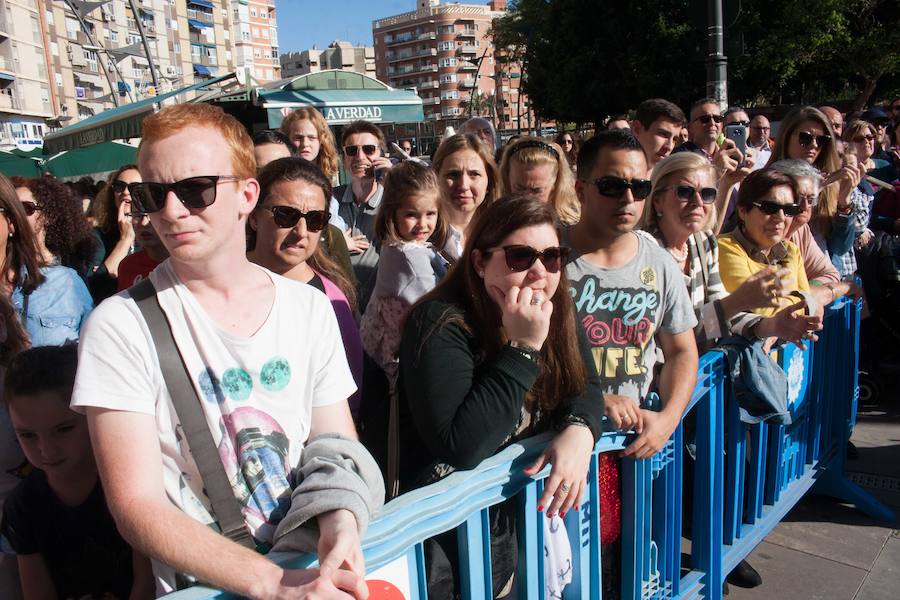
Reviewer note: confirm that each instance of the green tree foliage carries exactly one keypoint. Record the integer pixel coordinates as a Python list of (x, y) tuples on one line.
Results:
[(586, 59), (810, 51)]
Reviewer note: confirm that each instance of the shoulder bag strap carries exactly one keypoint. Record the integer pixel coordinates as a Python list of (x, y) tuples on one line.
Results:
[(190, 413), (704, 265)]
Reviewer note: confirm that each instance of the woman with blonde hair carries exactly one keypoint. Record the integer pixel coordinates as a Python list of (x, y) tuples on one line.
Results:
[(679, 214), (532, 166), (806, 134), (471, 182), (311, 136)]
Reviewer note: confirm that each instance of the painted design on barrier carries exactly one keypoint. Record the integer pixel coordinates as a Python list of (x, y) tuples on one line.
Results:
[(794, 378)]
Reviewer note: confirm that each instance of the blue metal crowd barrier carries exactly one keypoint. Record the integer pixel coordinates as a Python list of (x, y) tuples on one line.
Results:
[(745, 479)]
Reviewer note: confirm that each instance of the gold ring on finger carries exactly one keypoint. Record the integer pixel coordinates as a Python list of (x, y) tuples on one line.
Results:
[(565, 487)]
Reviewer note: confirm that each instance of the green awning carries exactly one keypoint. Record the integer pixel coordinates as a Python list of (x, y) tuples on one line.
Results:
[(342, 106), (114, 124), (99, 158), (12, 164)]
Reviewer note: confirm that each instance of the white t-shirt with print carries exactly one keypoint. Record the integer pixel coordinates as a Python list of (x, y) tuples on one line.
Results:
[(257, 392)]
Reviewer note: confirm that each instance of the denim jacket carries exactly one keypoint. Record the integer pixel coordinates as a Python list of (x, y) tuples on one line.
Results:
[(56, 309)]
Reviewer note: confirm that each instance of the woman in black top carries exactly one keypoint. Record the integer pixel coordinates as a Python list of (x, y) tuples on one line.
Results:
[(493, 355)]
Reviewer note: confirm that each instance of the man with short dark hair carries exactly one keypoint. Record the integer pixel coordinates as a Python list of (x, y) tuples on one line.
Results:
[(704, 128), (735, 115), (657, 125), (362, 148), (622, 281)]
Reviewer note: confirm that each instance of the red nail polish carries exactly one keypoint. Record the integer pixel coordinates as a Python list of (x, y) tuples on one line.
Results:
[(540, 507), (576, 507), (562, 514)]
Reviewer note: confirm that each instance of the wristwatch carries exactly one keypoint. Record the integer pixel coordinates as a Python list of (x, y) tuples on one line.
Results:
[(525, 350)]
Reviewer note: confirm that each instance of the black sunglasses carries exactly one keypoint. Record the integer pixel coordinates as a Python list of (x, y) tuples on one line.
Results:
[(615, 187), (368, 150), (118, 186), (520, 258), (705, 119), (743, 123), (286, 217), (806, 139), (686, 193), (770, 208), (193, 192), (30, 208)]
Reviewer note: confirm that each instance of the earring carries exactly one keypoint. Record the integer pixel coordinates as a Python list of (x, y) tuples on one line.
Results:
[(658, 213), (480, 273)]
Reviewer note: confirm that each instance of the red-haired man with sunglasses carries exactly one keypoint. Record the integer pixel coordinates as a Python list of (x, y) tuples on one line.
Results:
[(264, 362)]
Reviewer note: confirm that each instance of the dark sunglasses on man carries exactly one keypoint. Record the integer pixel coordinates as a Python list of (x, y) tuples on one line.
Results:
[(286, 217), (806, 139), (193, 192), (368, 150), (615, 187), (706, 119), (520, 258)]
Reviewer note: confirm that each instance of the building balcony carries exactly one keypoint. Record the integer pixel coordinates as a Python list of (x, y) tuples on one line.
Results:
[(399, 56), (9, 102), (429, 85), (467, 49), (467, 33), (435, 116), (467, 82), (430, 101), (412, 69), (467, 66), (428, 35)]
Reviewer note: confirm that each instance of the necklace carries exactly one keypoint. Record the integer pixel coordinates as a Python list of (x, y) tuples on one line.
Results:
[(678, 256)]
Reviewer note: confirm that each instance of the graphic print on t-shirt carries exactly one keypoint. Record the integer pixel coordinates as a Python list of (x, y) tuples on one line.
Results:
[(619, 324)]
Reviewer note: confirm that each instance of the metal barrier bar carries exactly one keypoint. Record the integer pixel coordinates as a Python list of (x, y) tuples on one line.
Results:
[(739, 496)]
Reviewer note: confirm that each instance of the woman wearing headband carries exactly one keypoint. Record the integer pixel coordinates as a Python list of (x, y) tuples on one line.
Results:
[(532, 166)]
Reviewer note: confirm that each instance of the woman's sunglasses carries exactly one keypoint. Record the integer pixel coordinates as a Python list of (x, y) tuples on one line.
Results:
[(864, 138), (286, 217), (520, 258), (30, 208), (193, 192), (118, 186), (368, 150), (806, 139), (770, 208), (615, 187), (686, 193)]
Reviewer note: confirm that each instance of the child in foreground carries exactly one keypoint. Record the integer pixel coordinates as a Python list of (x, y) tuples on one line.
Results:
[(56, 520)]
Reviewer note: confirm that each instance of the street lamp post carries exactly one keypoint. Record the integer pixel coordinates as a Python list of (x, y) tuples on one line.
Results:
[(716, 61), (140, 26)]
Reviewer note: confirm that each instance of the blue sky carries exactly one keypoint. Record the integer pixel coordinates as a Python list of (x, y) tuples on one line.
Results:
[(302, 23)]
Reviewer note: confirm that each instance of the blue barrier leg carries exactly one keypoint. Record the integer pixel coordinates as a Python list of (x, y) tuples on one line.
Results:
[(530, 572), (475, 556)]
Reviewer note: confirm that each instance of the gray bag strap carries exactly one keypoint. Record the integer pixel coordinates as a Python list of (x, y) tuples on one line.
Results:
[(190, 413)]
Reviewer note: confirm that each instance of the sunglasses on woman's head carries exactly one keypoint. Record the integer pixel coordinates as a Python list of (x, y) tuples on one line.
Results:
[(119, 186), (770, 208), (193, 192), (368, 150), (286, 217), (615, 187), (686, 193), (520, 258), (806, 139), (30, 208)]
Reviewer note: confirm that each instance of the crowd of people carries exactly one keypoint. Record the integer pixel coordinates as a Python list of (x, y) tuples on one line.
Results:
[(221, 352)]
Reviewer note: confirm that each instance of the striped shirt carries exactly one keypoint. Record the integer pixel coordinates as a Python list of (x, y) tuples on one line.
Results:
[(706, 291)]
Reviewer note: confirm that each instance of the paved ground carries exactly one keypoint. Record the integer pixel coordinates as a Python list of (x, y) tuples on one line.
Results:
[(831, 551)]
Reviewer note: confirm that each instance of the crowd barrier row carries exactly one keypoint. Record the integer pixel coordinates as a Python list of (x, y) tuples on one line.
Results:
[(745, 479)]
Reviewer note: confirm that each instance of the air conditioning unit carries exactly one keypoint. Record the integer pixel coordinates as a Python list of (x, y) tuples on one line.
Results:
[(171, 71)]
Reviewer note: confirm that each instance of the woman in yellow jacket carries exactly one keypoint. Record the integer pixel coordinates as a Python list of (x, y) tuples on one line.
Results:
[(758, 247)]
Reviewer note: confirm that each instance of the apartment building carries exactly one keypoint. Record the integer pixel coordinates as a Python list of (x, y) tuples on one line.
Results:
[(256, 41), (445, 53), (339, 55), (26, 99)]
